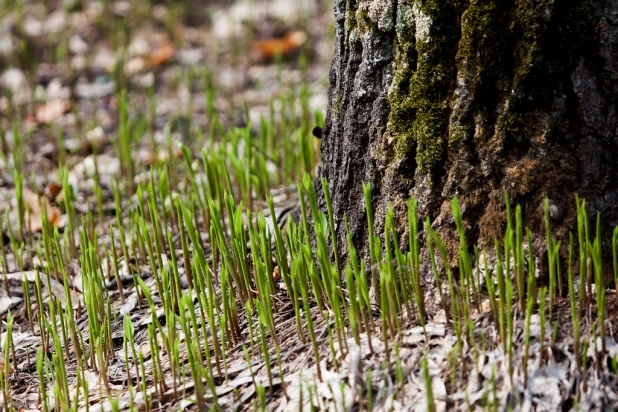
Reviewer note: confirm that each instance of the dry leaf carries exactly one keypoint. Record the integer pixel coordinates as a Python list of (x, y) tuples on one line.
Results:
[(268, 49), (50, 111), (276, 273), (162, 55), (36, 207), (440, 317), (52, 287), (52, 190), (8, 302)]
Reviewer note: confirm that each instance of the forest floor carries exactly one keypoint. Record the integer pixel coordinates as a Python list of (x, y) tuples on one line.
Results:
[(152, 153)]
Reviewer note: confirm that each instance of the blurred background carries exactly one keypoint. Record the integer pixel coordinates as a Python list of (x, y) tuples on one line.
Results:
[(120, 82)]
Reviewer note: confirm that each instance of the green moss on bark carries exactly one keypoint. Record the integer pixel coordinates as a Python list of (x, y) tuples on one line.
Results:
[(479, 62), (365, 24), (427, 33), (544, 31), (350, 16), (338, 107), (369, 16)]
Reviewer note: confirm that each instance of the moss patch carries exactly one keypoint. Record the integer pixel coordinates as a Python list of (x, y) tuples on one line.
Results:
[(381, 13), (544, 31), (350, 15), (480, 62), (363, 17), (338, 107), (426, 36)]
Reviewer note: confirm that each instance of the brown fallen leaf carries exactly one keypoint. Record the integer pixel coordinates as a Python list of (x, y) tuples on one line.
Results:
[(36, 207), (268, 49), (51, 110), (52, 190), (161, 55)]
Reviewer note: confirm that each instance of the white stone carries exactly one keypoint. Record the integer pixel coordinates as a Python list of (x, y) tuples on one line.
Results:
[(77, 45), (14, 79)]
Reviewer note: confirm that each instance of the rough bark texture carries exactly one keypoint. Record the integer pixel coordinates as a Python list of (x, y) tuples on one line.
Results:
[(444, 98)]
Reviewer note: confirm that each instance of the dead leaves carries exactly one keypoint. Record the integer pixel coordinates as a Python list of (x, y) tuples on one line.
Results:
[(36, 207), (268, 49), (151, 58), (49, 112), (163, 54), (52, 190), (51, 288)]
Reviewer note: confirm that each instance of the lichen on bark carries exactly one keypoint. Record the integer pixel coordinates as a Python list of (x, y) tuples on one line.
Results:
[(381, 13), (369, 15)]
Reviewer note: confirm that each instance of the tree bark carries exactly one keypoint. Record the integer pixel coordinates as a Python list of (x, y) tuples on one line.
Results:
[(444, 98)]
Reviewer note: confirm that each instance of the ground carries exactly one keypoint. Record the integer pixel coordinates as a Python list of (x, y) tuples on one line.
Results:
[(145, 268)]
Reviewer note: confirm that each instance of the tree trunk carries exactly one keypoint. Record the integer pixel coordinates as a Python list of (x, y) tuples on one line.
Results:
[(444, 98)]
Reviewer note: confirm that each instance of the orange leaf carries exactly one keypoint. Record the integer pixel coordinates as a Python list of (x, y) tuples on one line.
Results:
[(268, 49), (52, 190), (162, 55), (50, 111)]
